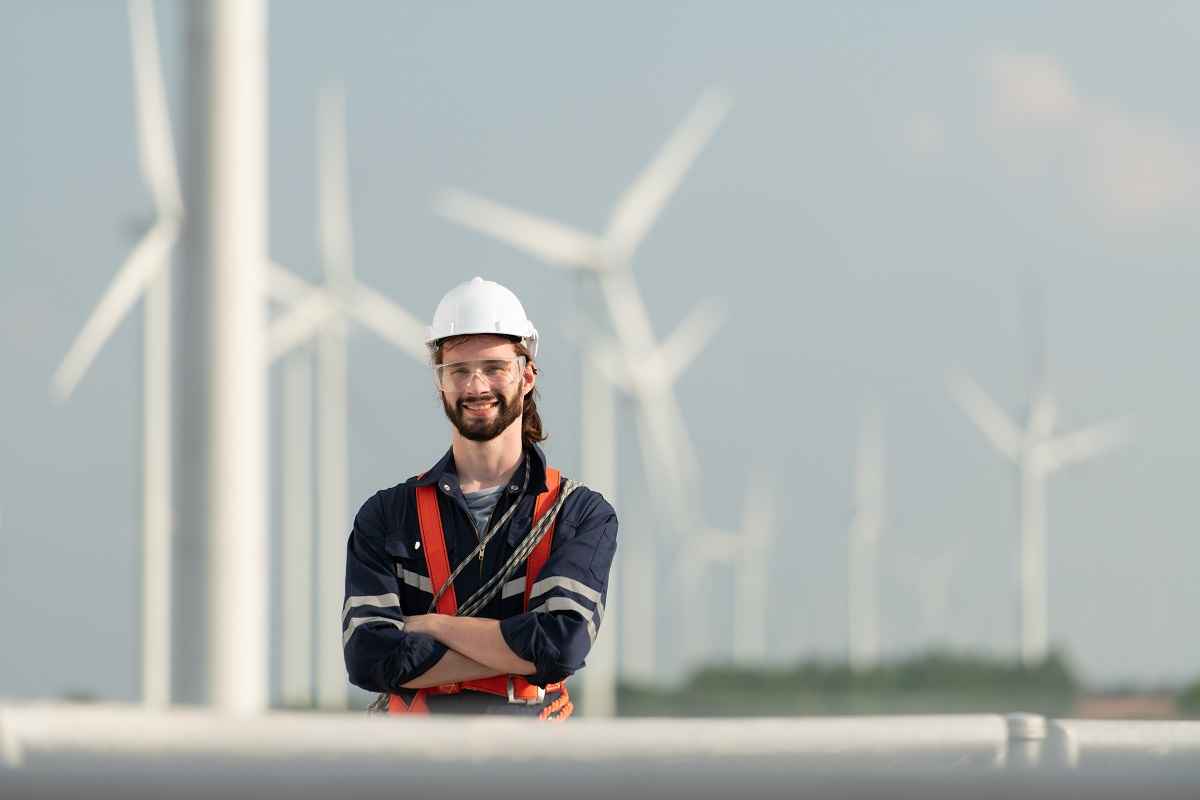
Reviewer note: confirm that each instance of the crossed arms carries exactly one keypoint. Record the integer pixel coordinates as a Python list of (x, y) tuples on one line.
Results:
[(476, 650)]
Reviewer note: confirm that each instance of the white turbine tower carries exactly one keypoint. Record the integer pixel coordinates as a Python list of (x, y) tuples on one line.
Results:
[(144, 272), (648, 369), (1037, 452), (747, 553), (323, 314), (863, 560)]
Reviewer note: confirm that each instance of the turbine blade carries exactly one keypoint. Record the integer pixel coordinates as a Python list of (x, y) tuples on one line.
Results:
[(140, 268), (551, 241), (691, 336), (285, 287), (599, 349), (299, 324), (668, 455), (391, 322), (1083, 445), (990, 419), (157, 152), (333, 199), (660, 465), (641, 204)]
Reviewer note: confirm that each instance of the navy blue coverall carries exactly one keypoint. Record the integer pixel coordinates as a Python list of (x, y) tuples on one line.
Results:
[(387, 579)]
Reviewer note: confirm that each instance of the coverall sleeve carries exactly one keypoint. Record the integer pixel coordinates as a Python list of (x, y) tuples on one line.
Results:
[(566, 604), (380, 655)]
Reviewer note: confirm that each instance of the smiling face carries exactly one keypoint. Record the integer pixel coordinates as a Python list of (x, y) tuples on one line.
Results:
[(481, 411)]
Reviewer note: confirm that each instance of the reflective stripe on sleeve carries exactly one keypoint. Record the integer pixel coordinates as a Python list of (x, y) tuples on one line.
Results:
[(514, 587), (357, 621), (567, 604), (389, 600), (570, 584), (415, 580)]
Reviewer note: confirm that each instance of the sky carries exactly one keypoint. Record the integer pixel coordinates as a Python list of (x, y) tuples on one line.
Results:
[(886, 183)]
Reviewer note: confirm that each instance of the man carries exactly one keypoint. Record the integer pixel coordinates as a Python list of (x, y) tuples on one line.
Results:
[(479, 585)]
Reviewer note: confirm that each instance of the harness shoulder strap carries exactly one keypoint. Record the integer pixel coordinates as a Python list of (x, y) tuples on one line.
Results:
[(541, 553), (433, 542)]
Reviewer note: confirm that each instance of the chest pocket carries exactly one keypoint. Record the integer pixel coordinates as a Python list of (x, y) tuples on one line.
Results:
[(408, 563)]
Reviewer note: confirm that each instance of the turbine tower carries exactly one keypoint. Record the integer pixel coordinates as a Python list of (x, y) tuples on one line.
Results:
[(752, 588), (324, 314), (863, 560), (648, 369), (1037, 452), (145, 274), (747, 553)]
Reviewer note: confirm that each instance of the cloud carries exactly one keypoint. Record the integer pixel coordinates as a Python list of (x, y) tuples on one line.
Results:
[(1030, 90), (1128, 169)]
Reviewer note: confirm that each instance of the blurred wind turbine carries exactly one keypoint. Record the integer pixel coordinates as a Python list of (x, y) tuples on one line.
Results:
[(649, 370), (145, 272), (751, 599), (1037, 452), (748, 553), (323, 314), (865, 528)]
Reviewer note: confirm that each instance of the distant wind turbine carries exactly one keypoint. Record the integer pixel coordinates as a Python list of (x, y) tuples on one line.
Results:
[(747, 552), (649, 370), (323, 314), (144, 272), (1037, 452), (863, 555)]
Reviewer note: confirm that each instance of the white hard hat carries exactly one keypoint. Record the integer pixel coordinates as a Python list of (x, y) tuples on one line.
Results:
[(480, 306)]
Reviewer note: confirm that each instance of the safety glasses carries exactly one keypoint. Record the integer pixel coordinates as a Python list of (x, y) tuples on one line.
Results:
[(496, 373)]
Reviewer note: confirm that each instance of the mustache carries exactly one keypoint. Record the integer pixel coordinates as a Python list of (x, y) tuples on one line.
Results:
[(475, 398)]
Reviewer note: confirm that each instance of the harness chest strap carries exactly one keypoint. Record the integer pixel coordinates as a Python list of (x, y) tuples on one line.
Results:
[(433, 542)]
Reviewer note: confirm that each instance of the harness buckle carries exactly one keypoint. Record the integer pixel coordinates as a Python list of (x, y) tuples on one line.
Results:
[(512, 698)]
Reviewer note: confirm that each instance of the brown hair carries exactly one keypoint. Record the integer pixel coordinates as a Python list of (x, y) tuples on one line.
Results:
[(531, 420)]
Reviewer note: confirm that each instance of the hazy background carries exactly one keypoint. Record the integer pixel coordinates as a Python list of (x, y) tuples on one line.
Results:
[(868, 211)]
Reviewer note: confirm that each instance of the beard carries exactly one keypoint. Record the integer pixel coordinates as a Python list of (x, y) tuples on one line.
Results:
[(508, 409)]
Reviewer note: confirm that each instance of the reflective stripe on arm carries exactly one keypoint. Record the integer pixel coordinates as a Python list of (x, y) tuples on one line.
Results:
[(390, 600), (357, 621), (591, 617)]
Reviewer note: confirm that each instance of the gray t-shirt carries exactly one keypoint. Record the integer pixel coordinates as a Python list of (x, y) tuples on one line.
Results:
[(481, 504)]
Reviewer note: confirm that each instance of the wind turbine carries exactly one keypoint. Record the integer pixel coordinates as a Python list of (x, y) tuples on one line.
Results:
[(144, 272), (230, 669), (648, 369), (1037, 452), (324, 314), (751, 598), (863, 560), (608, 258), (747, 552)]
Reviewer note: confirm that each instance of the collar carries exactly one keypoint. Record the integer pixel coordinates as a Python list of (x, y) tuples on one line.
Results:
[(445, 468)]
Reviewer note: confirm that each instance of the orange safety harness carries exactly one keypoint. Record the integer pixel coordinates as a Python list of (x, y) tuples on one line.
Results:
[(433, 542)]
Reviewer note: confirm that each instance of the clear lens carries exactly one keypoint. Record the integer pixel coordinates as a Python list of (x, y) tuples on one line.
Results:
[(497, 373)]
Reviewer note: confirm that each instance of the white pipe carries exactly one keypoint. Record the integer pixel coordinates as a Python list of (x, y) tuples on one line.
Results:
[(30, 732), (333, 522), (156, 493), (296, 515)]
